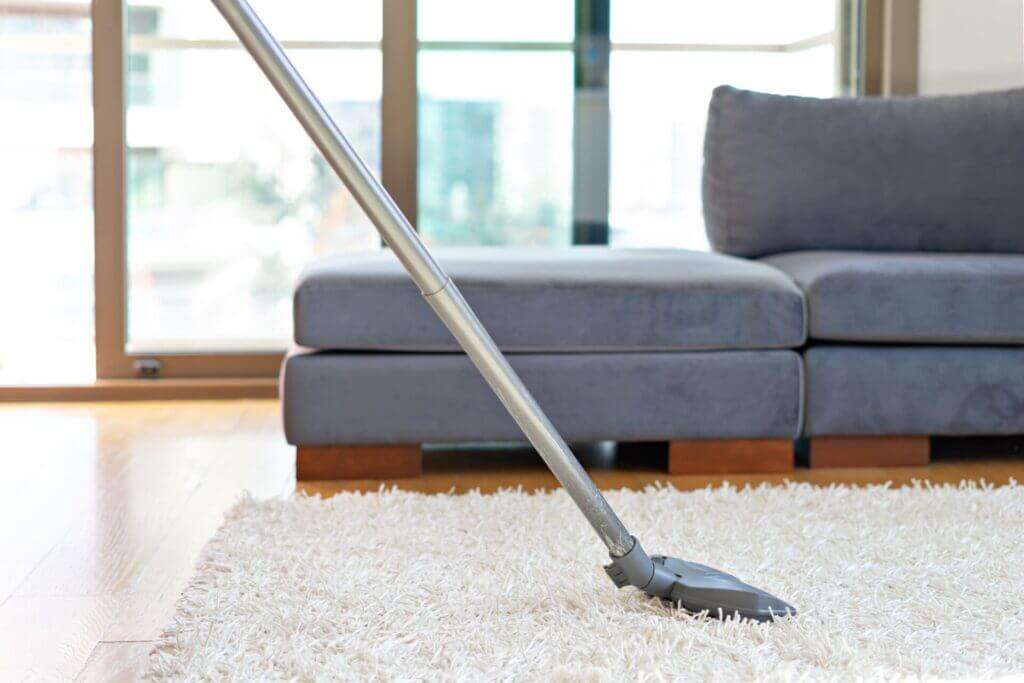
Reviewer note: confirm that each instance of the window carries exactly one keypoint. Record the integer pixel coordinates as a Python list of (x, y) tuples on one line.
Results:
[(495, 127), (666, 58), (227, 198), (46, 292)]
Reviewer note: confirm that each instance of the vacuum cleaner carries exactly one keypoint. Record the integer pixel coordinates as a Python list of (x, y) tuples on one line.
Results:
[(696, 588)]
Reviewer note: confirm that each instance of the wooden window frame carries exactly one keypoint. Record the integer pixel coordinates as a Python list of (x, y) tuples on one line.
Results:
[(889, 41), (114, 359)]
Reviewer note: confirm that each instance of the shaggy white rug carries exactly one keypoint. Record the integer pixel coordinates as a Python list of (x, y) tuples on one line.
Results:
[(923, 581)]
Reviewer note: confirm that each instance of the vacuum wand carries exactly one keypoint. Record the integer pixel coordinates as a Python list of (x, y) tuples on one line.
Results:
[(438, 289), (697, 588)]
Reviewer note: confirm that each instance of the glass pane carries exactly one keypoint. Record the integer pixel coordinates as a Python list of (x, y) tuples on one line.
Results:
[(495, 147), (658, 131), (720, 21), (549, 21), (227, 198), (46, 291)]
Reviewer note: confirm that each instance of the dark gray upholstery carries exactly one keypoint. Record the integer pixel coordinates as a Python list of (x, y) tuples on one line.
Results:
[(350, 398), (905, 174), (920, 298), (572, 299), (880, 390)]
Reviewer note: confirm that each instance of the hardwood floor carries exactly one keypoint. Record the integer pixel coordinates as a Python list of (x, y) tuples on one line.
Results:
[(104, 508)]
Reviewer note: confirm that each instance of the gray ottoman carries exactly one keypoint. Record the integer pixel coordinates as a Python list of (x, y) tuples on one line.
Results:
[(695, 349)]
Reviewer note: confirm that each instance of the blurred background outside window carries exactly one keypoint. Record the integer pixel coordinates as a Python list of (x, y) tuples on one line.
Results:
[(495, 127), (666, 58), (227, 198), (46, 227)]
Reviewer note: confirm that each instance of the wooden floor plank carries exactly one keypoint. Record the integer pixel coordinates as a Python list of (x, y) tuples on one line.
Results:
[(119, 530), (50, 638), (259, 467), (171, 451), (53, 454), (116, 662)]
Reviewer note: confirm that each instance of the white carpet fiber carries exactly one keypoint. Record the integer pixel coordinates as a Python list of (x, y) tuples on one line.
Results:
[(925, 581)]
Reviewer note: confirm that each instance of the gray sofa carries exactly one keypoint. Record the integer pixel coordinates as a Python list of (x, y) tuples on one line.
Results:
[(868, 283), (902, 221)]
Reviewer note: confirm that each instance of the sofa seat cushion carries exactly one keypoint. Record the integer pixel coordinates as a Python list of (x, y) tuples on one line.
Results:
[(555, 299), (916, 298)]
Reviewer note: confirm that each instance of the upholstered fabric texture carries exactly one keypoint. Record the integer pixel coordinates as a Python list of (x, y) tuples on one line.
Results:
[(543, 299), (338, 398), (878, 390), (897, 174), (920, 298)]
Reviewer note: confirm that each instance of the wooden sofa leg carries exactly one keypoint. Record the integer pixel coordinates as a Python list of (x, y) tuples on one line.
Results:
[(376, 461), (730, 456), (870, 451)]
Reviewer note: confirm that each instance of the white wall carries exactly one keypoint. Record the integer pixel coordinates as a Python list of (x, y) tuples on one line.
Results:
[(970, 45)]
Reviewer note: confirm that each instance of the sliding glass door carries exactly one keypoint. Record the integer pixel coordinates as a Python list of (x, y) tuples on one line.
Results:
[(227, 198)]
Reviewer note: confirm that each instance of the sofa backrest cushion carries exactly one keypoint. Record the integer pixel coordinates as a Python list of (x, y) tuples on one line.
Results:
[(902, 174)]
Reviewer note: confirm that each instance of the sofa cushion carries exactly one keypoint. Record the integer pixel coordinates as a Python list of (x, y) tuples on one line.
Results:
[(333, 397), (548, 299), (918, 298), (899, 174)]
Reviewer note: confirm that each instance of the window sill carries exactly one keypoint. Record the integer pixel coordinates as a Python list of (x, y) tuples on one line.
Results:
[(144, 390)]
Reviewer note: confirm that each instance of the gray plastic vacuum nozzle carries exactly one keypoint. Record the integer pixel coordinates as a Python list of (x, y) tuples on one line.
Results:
[(696, 588), (634, 568)]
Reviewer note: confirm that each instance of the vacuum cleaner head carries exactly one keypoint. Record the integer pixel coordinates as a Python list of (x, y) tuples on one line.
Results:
[(696, 588)]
